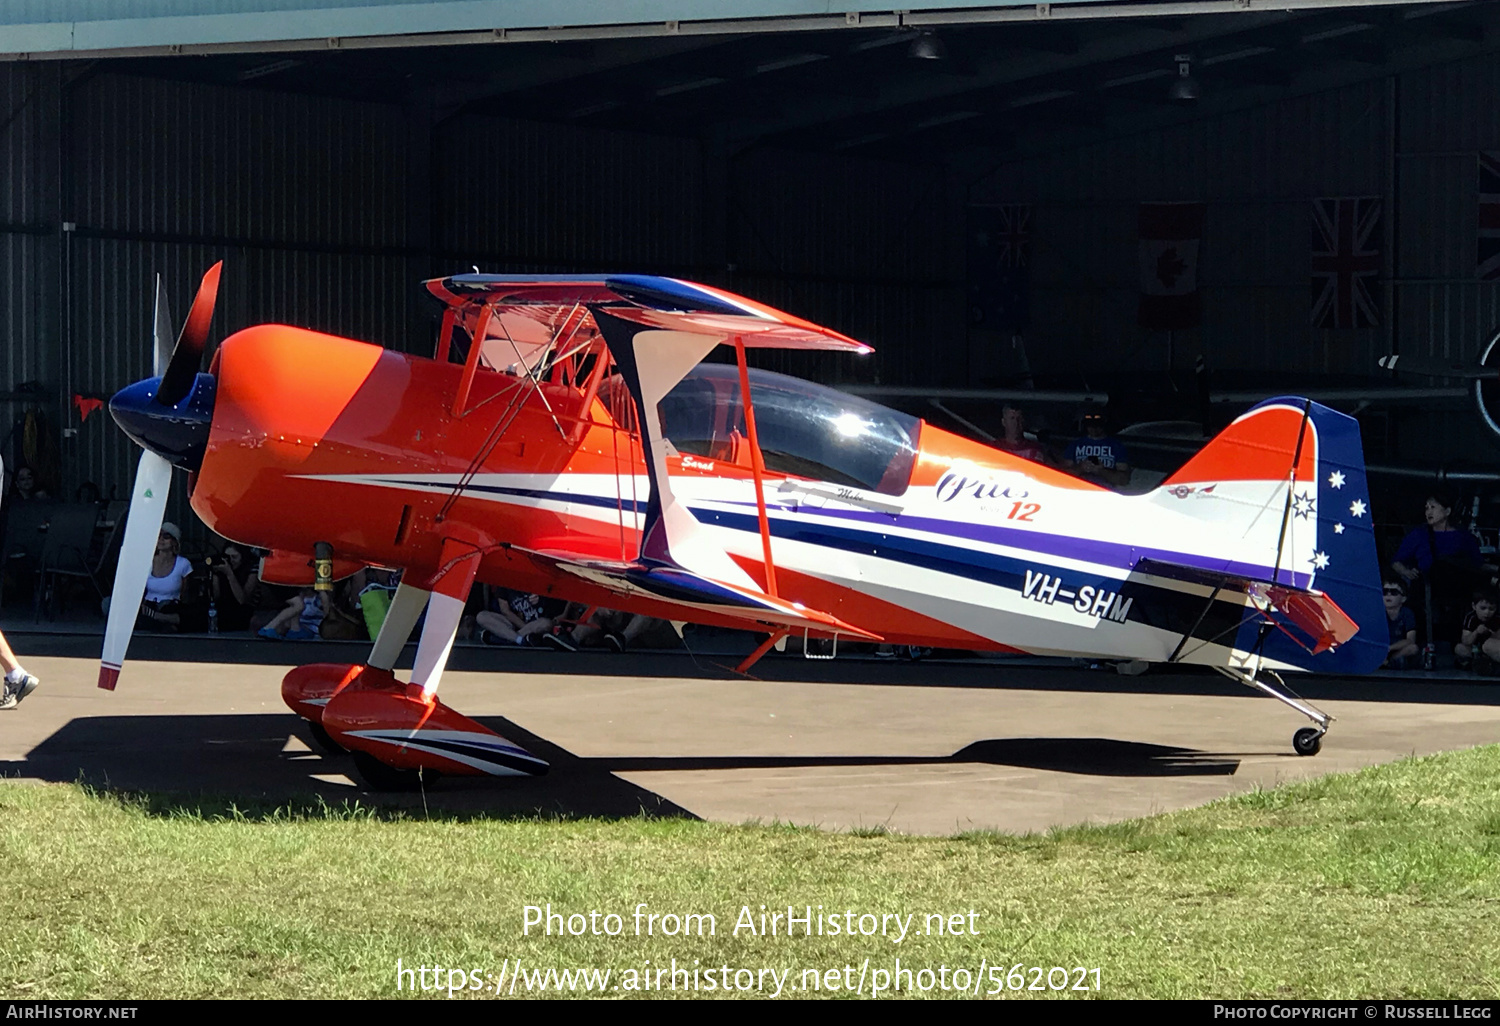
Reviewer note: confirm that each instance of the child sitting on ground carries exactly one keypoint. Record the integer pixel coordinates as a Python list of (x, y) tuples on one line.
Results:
[(1402, 624), (520, 619), (1478, 648), (302, 618)]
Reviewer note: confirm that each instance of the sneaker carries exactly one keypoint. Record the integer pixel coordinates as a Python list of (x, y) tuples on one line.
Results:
[(14, 691), (614, 642), (558, 642)]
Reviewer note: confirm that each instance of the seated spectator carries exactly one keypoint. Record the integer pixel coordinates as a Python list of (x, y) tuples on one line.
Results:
[(24, 488), (1014, 441), (1478, 649), (1402, 623), (87, 492), (611, 629), (302, 619), (232, 584), (1445, 560), (1098, 455), (520, 619), (161, 606)]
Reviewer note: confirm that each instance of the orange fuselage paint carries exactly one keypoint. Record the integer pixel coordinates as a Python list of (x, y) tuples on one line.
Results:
[(297, 410)]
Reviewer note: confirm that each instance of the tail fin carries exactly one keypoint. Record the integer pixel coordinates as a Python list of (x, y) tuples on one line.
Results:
[(1283, 489)]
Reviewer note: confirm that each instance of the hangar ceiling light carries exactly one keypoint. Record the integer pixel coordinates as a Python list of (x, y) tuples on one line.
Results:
[(795, 60), (1185, 88), (687, 87), (928, 47)]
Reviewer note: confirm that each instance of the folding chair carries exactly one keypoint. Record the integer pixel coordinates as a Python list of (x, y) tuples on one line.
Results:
[(65, 554), (25, 528)]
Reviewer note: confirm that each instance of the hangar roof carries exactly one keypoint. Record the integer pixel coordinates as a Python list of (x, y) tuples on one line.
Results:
[(39, 28), (1005, 79)]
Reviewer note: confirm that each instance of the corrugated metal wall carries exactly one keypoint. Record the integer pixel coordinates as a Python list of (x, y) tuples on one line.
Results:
[(303, 199), (874, 250), (1257, 170), (327, 213), (28, 258)]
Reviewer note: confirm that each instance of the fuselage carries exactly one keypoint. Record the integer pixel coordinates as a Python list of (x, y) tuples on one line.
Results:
[(321, 439)]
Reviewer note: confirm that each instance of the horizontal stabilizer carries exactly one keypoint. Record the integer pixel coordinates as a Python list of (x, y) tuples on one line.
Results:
[(681, 587), (1315, 620)]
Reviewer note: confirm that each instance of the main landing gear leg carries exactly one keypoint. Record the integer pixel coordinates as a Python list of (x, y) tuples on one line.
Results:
[(400, 735), (1308, 740)]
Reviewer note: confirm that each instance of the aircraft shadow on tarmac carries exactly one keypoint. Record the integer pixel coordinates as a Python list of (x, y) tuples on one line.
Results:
[(245, 766), (995, 674)]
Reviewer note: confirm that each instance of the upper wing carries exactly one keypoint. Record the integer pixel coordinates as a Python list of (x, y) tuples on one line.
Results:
[(650, 301)]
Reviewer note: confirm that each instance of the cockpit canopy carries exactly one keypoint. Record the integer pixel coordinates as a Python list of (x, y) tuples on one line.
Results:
[(804, 429)]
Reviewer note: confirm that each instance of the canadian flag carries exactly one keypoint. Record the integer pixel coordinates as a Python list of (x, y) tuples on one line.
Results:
[(1169, 234)]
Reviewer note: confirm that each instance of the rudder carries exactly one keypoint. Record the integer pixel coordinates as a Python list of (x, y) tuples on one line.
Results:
[(1296, 504)]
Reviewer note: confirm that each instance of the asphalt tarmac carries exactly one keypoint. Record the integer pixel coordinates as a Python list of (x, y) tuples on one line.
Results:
[(933, 747)]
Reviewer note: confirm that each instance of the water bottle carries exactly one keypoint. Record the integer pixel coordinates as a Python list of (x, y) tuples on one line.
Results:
[(1429, 656), (213, 618)]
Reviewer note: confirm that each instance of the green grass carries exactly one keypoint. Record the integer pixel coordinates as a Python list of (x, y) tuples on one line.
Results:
[(1384, 883)]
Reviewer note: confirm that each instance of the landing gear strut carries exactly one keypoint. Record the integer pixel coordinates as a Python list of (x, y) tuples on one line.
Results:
[(1308, 740)]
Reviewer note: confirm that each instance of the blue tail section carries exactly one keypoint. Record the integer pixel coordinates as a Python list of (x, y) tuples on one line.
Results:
[(1345, 565)]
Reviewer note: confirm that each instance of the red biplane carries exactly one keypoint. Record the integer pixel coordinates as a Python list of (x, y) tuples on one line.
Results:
[(566, 438)]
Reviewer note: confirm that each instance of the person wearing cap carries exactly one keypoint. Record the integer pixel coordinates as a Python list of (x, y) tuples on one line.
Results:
[(1098, 456), (159, 608)]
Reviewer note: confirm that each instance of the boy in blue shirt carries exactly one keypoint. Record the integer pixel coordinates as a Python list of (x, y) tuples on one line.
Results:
[(1098, 456)]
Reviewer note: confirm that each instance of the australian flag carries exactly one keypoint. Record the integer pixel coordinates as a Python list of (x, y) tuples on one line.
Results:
[(1489, 217), (1346, 237), (999, 259)]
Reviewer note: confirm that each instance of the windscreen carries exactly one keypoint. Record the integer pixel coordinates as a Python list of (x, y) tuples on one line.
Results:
[(805, 429)]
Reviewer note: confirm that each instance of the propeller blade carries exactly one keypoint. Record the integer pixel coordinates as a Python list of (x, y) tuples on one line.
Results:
[(161, 328), (148, 505), (177, 379), (1429, 367)]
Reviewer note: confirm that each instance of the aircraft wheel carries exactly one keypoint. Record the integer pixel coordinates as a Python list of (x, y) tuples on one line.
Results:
[(325, 740), (1307, 741), (380, 777)]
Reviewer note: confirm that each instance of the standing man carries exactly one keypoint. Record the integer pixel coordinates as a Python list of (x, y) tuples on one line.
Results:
[(1098, 456), (18, 683)]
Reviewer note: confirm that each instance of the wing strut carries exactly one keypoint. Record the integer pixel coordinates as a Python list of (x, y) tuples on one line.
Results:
[(757, 466)]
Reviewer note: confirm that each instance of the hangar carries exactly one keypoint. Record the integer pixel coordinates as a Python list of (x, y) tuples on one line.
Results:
[(975, 190)]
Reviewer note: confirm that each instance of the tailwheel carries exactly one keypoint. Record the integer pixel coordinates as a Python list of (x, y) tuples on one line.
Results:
[(1308, 741), (325, 740), (380, 777)]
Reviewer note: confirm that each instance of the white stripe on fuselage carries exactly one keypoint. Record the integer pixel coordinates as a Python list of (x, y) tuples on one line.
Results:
[(1193, 524)]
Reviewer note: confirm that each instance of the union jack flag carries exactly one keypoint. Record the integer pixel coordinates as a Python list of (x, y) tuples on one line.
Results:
[(1012, 241), (1346, 262), (1489, 217), (999, 258)]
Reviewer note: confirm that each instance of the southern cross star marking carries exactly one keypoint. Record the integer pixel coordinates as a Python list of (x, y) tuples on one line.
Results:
[(1336, 479), (1338, 528), (1319, 561), (1302, 505), (1357, 508)]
